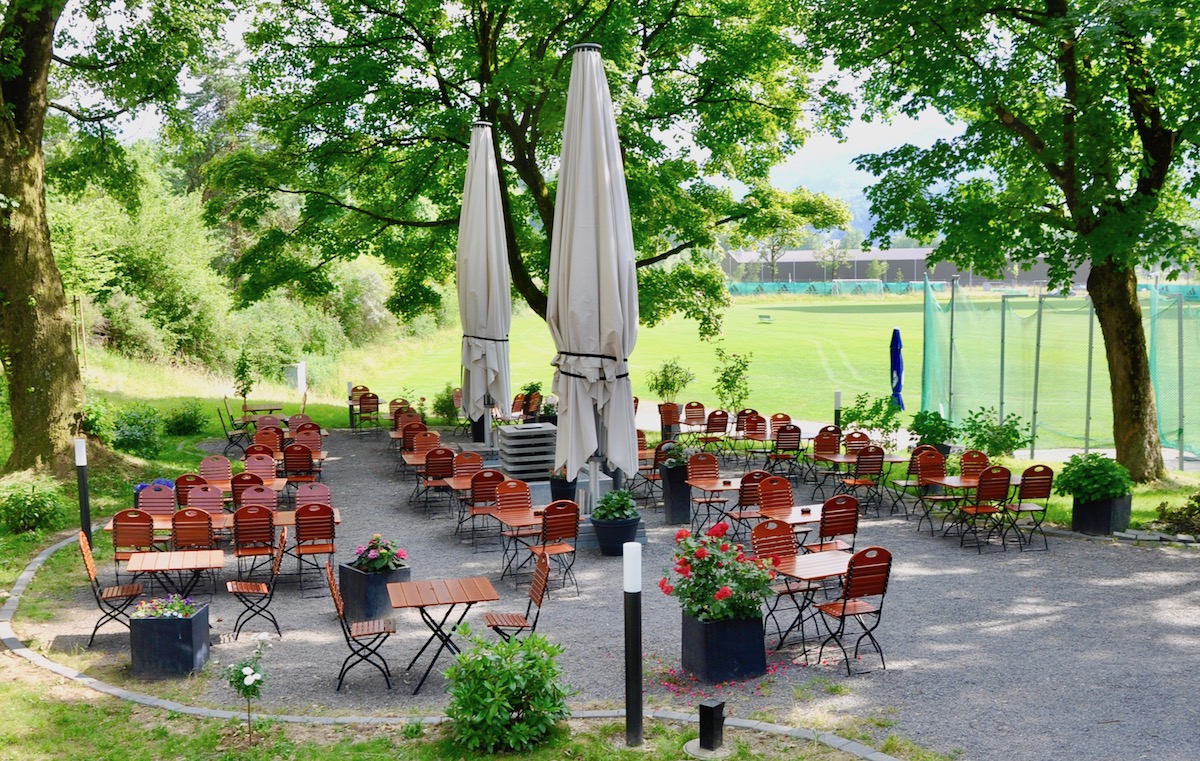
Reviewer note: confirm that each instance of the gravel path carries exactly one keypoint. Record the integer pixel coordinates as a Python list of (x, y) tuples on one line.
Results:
[(1083, 652)]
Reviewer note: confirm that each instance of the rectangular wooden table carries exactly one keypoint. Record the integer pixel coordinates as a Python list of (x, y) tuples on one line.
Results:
[(797, 515), (162, 565), (516, 526), (434, 593), (715, 487), (225, 520), (810, 570)]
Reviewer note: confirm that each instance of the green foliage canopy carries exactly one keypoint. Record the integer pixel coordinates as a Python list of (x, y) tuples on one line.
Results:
[(367, 109)]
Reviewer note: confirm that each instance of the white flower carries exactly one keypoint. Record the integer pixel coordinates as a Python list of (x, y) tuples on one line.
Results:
[(248, 680), (257, 677), (247, 670)]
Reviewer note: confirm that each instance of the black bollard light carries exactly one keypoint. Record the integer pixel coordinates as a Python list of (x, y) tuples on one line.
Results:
[(633, 643), (85, 505), (837, 408), (712, 724)]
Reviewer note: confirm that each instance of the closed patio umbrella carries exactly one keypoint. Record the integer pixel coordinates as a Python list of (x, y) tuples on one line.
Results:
[(897, 368), (593, 303), (484, 296)]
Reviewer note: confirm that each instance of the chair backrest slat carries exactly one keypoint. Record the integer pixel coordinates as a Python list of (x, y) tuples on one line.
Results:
[(156, 499), (191, 529), (773, 539), (467, 463), (993, 484), (1036, 483), (513, 495), (560, 521), (216, 468), (314, 493), (703, 465), (826, 443), (484, 485), (207, 498), (973, 462), (314, 524), (839, 517), (775, 493), (868, 572)]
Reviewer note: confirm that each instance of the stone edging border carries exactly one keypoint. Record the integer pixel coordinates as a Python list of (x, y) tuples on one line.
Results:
[(10, 640)]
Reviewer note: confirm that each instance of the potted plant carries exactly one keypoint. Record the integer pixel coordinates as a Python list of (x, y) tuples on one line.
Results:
[(666, 383), (615, 519), (677, 495), (560, 486), (1100, 487), (529, 389), (721, 590), (549, 411), (931, 428), (168, 636), (983, 429), (879, 418), (364, 579)]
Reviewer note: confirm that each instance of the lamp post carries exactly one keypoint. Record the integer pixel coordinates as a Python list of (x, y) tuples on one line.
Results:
[(633, 643), (85, 507)]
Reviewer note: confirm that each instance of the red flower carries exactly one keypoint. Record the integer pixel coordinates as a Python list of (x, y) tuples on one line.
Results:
[(719, 529), (723, 592), (741, 557), (682, 534), (665, 587), (725, 547), (683, 569), (701, 553)]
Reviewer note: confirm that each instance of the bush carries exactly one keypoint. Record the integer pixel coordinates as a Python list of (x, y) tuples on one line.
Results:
[(879, 418), (138, 430), (931, 428), (186, 420), (130, 331), (732, 386), (33, 510), (983, 430), (1093, 477), (443, 405), (98, 420), (505, 695), (669, 380), (1184, 519)]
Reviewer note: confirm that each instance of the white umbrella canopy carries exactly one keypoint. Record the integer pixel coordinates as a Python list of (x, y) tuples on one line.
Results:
[(593, 301), (484, 296)]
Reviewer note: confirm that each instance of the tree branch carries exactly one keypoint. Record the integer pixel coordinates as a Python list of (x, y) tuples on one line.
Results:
[(335, 201), (690, 244)]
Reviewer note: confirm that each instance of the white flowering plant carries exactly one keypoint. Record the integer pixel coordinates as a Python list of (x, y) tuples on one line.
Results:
[(246, 678)]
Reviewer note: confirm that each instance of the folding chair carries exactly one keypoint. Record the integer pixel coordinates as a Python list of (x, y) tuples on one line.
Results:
[(756, 434), (861, 601), (235, 437), (439, 465), (1033, 497), (462, 424), (839, 517), (298, 467), (133, 531), (207, 498), (784, 459), (703, 466), (560, 529), (825, 443), (271, 436), (972, 463), (315, 493), (985, 510), (364, 638), (261, 496), (747, 510), (185, 484), (912, 480), (866, 478), (368, 412), (482, 501), (216, 468), (156, 499), (775, 540), (253, 536), (315, 534), (694, 421), (259, 449), (112, 601), (712, 438), (256, 596), (240, 483), (509, 625), (648, 479)]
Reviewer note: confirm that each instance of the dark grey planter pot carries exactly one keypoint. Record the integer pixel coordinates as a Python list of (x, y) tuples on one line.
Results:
[(365, 594), (162, 648), (562, 489), (677, 495), (719, 651), (610, 535), (1104, 516)]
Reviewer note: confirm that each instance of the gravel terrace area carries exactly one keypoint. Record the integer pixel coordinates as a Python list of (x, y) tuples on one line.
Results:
[(1083, 652)]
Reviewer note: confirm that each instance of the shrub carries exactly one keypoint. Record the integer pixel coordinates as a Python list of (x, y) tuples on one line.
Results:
[(243, 374), (616, 505), (879, 418), (130, 331), (1184, 519), (669, 380), (983, 430), (443, 405), (732, 386), (32, 510), (138, 430), (931, 428), (186, 420), (1093, 477), (98, 420), (505, 695)]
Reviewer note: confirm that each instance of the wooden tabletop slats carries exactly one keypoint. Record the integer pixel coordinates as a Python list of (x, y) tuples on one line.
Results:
[(430, 592)]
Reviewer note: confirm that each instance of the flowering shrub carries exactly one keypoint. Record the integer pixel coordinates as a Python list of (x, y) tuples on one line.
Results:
[(378, 555), (171, 606), (246, 678), (715, 580)]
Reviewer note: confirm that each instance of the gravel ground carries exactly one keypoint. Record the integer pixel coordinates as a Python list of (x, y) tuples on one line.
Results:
[(1083, 652)]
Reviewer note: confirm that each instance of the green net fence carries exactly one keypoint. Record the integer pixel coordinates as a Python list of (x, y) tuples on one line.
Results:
[(837, 288), (1042, 358)]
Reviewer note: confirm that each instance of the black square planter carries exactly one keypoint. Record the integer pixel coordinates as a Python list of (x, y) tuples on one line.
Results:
[(365, 594), (161, 648), (677, 495), (718, 651), (1102, 516)]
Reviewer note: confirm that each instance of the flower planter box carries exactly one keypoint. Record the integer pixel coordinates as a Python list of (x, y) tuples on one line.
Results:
[(719, 651), (677, 495), (161, 648), (365, 594), (610, 535), (1104, 516)]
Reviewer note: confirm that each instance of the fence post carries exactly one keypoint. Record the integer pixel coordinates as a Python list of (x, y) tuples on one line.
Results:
[(1087, 411), (950, 370), (1003, 336), (1179, 320), (1037, 371)]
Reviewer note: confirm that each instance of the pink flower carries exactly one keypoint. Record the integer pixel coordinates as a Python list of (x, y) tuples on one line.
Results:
[(373, 554), (720, 529), (359, 550), (402, 554), (682, 534), (723, 592)]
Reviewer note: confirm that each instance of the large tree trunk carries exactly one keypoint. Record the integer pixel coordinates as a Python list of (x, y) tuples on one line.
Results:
[(44, 387), (1135, 418)]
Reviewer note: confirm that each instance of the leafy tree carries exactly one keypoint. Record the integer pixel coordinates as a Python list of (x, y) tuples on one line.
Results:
[(1080, 144), (109, 59), (831, 257), (877, 269), (781, 218), (367, 108)]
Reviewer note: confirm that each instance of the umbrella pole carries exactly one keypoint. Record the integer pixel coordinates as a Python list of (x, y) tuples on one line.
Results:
[(487, 422), (595, 460)]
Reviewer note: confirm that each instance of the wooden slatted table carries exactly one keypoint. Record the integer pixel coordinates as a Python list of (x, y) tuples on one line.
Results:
[(713, 487), (434, 593), (810, 569), (162, 565)]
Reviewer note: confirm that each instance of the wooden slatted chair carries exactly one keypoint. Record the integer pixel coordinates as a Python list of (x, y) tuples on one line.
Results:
[(482, 500), (263, 496), (216, 468), (513, 496), (191, 529), (298, 466), (900, 486), (368, 412), (156, 499), (824, 443), (648, 480), (465, 464), (1033, 497), (716, 426), (779, 420), (509, 625), (185, 484), (364, 638), (694, 421), (560, 529), (985, 510), (236, 436), (839, 518), (271, 436), (756, 435), (932, 464), (747, 510), (972, 463), (423, 441), (861, 601), (263, 449), (256, 596), (462, 423), (315, 493), (240, 483), (295, 421), (784, 459), (262, 465), (705, 465), (133, 531), (775, 541), (864, 482), (253, 537), (439, 465), (404, 432), (855, 441), (112, 601), (268, 421), (315, 535), (207, 498)]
